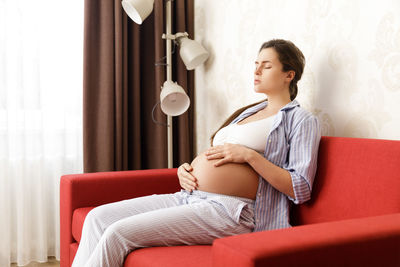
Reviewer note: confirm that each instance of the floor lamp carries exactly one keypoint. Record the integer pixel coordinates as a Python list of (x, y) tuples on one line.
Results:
[(173, 98)]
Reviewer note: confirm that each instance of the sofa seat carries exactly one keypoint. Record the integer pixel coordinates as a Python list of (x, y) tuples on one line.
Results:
[(154, 256), (194, 256)]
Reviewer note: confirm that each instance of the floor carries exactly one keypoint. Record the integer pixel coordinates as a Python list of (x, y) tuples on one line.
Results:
[(51, 263)]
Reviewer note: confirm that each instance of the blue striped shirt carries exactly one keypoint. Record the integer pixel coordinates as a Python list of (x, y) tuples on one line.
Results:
[(292, 144)]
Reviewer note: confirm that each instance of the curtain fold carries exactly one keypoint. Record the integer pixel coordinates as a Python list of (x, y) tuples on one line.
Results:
[(122, 84), (40, 122), (184, 125)]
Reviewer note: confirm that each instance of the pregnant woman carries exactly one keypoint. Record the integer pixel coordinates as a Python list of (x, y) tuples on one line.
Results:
[(262, 157)]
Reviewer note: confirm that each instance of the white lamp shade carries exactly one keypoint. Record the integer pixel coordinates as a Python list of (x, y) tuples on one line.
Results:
[(192, 53), (174, 100), (138, 10)]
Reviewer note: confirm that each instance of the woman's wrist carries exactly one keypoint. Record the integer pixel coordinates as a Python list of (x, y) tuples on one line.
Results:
[(251, 156)]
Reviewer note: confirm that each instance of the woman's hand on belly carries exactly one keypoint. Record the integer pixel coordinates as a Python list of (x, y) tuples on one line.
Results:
[(186, 179), (233, 153)]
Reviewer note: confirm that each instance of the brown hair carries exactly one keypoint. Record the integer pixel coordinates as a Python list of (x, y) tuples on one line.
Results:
[(291, 58)]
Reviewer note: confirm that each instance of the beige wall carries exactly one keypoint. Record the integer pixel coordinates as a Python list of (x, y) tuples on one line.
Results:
[(352, 48)]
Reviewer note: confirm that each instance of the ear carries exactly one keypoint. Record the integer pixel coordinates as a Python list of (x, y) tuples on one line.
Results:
[(290, 75)]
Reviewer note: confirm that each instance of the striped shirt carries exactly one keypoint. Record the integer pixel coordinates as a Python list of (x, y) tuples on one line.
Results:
[(292, 144)]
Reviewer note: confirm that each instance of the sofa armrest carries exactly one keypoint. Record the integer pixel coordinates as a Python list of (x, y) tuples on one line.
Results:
[(94, 189), (371, 241)]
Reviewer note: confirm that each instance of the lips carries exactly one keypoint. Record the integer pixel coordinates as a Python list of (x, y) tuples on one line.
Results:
[(256, 81)]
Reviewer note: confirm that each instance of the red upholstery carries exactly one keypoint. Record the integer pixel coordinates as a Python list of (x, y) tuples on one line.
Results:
[(73, 248), (94, 189), (353, 218), (372, 241), (193, 256), (355, 178), (77, 222)]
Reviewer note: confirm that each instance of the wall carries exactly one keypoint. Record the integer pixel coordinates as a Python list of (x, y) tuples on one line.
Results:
[(352, 48)]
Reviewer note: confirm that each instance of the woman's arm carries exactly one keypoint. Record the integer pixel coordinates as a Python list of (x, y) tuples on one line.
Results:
[(302, 158), (279, 178)]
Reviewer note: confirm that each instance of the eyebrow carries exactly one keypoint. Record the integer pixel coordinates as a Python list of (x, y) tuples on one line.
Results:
[(265, 61)]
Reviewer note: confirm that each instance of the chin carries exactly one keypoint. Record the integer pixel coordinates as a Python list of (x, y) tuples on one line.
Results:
[(259, 90)]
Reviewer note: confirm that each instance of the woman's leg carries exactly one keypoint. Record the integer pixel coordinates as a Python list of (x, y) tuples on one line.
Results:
[(100, 218), (193, 223)]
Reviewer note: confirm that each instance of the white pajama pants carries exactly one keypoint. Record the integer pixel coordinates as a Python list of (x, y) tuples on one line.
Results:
[(110, 232)]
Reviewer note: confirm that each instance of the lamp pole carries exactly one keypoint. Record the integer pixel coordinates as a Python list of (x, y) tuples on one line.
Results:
[(169, 78), (173, 98)]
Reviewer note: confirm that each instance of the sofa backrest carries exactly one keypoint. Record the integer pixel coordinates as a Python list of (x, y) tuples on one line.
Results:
[(355, 178)]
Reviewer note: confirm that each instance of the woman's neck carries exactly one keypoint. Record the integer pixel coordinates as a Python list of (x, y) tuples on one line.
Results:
[(275, 103)]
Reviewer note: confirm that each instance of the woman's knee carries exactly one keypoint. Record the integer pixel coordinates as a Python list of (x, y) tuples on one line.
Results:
[(129, 234), (117, 233), (96, 216)]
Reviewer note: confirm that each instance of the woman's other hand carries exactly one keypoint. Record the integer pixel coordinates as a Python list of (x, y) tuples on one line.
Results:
[(228, 153), (186, 179)]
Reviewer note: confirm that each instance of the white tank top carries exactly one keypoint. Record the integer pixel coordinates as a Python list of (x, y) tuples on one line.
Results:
[(252, 134)]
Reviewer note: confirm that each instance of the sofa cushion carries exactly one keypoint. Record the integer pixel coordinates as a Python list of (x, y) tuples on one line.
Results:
[(154, 256), (170, 256), (77, 222), (355, 178), (73, 248), (164, 256)]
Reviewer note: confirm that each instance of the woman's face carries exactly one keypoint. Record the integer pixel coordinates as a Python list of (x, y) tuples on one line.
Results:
[(268, 75)]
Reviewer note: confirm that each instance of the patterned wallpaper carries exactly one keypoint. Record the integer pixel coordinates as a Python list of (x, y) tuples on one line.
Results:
[(352, 48)]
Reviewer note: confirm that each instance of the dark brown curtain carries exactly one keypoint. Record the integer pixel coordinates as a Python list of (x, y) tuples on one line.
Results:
[(122, 84)]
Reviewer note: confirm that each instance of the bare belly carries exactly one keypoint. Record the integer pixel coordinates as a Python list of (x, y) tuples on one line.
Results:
[(233, 179)]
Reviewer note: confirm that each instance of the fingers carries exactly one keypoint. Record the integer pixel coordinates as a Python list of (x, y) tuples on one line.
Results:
[(187, 167), (186, 179), (189, 186), (227, 153), (215, 156), (216, 152), (190, 180), (221, 162), (213, 150), (186, 172)]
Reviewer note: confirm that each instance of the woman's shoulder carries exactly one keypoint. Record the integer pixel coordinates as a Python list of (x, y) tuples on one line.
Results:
[(298, 115), (302, 113)]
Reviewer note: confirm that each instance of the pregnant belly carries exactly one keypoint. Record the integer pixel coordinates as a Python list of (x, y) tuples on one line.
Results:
[(234, 179)]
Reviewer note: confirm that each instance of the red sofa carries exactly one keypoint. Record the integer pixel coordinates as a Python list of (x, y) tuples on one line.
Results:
[(353, 218)]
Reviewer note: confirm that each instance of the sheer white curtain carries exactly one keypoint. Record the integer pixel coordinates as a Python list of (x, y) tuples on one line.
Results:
[(41, 46)]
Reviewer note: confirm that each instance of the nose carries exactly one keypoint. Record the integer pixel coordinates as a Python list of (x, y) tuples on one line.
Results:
[(257, 71)]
